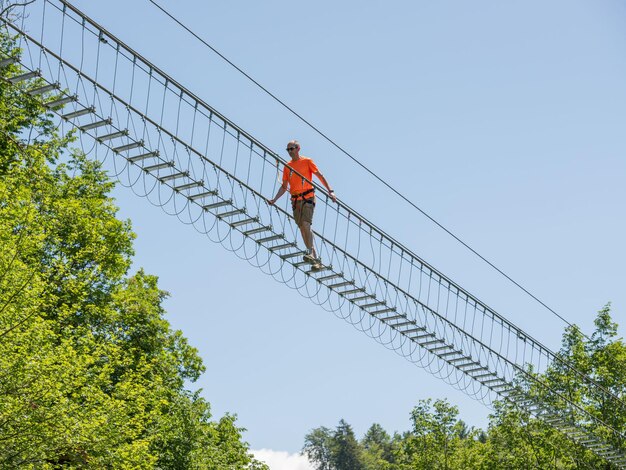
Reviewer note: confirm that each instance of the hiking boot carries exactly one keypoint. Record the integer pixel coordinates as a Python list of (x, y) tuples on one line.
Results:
[(309, 258), (317, 266)]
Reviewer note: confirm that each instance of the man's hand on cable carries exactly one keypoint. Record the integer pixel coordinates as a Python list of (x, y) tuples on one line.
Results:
[(332, 195)]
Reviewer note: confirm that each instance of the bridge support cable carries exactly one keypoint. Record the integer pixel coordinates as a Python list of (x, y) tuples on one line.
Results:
[(167, 145)]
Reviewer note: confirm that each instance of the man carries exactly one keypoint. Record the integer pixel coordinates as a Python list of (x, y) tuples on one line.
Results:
[(302, 197)]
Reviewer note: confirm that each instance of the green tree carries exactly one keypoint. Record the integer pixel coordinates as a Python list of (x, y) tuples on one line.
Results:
[(377, 448), (435, 434), (517, 439), (334, 450), (346, 451), (91, 373), (318, 448)]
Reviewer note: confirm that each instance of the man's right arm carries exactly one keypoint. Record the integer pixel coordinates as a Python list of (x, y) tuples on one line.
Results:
[(282, 190)]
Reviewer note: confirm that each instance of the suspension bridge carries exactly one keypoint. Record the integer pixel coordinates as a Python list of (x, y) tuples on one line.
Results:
[(159, 138)]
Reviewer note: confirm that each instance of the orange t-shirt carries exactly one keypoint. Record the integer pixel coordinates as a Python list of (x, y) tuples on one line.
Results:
[(297, 185)]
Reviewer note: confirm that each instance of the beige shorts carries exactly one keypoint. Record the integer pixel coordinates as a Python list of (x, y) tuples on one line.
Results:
[(303, 210)]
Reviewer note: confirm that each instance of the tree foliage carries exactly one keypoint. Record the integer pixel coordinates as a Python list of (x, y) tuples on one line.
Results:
[(91, 373)]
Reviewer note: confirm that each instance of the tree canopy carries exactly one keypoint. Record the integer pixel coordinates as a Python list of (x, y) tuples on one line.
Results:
[(91, 373)]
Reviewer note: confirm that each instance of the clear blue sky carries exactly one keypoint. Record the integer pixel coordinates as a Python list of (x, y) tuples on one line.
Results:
[(503, 120)]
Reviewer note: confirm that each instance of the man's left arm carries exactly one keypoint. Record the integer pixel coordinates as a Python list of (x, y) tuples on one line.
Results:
[(325, 183)]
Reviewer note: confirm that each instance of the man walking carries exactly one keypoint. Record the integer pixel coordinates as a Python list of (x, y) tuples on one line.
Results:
[(302, 196)]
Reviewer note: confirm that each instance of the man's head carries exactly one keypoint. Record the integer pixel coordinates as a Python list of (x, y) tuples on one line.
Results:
[(293, 148)]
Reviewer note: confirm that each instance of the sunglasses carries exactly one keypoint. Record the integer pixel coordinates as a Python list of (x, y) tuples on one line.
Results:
[(289, 149)]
